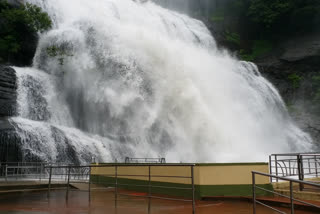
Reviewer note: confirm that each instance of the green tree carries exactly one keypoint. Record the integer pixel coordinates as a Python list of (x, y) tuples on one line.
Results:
[(285, 15), (269, 12), (19, 25)]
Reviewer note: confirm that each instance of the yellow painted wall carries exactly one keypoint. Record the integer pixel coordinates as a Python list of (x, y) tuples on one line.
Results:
[(131, 172), (228, 174), (231, 174)]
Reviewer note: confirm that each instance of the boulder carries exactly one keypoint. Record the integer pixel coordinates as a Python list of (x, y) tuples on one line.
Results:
[(302, 48)]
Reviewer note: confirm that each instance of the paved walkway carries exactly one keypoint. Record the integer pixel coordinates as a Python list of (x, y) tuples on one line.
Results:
[(102, 201)]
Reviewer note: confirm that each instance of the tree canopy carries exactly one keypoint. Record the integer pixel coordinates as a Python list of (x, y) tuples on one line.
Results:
[(18, 25), (290, 15)]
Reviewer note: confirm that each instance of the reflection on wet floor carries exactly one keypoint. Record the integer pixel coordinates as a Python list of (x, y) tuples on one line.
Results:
[(103, 202)]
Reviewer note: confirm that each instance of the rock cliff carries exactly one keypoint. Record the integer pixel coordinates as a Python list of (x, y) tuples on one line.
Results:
[(294, 68)]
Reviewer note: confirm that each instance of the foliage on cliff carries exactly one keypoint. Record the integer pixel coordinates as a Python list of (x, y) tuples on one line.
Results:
[(261, 24), (18, 31), (283, 16)]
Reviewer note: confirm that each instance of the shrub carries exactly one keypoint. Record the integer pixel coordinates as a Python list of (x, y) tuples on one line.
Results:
[(259, 48), (295, 80)]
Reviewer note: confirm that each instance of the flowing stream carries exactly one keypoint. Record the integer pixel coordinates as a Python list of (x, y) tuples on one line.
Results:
[(117, 78)]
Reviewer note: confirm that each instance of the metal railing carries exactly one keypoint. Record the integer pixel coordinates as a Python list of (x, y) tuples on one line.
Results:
[(68, 175), (21, 170), (295, 165), (116, 176), (145, 160), (25, 171), (291, 197)]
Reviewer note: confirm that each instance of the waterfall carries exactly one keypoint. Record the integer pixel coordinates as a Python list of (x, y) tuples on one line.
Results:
[(117, 78)]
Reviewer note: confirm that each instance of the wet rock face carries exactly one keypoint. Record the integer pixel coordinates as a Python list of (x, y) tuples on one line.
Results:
[(302, 48), (9, 144), (8, 92), (294, 68), (15, 3), (14, 148)]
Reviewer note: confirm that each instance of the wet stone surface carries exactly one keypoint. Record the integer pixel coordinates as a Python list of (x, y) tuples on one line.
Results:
[(102, 201)]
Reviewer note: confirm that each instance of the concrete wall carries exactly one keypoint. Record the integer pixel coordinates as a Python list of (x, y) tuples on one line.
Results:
[(127, 172), (210, 179), (230, 174), (204, 174)]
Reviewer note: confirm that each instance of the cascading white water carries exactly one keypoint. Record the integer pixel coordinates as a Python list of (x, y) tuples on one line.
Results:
[(134, 79)]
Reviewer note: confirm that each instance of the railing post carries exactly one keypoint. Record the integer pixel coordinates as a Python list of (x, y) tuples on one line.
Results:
[(69, 170), (66, 174), (116, 187), (149, 191), (17, 172), (50, 175), (291, 198), (89, 189), (300, 171), (254, 192), (290, 168), (270, 167), (193, 191), (276, 165), (41, 166), (315, 165), (6, 172)]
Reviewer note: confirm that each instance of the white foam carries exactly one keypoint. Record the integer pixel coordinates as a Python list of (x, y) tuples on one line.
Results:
[(154, 81)]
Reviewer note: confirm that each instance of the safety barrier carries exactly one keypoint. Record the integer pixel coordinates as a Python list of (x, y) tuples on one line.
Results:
[(22, 170), (145, 160), (295, 165), (291, 197), (76, 172)]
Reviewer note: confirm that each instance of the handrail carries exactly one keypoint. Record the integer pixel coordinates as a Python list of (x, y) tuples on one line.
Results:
[(295, 154), (287, 179), (146, 160), (121, 164), (291, 197), (295, 164), (116, 176)]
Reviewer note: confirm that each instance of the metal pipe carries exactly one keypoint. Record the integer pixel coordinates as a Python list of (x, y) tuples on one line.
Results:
[(276, 165), (315, 165), (291, 198), (68, 183), (193, 191), (17, 172), (274, 209), (49, 185), (89, 189), (41, 168), (149, 191), (116, 187), (289, 179), (300, 171), (254, 192), (126, 165), (270, 167), (6, 172), (290, 168)]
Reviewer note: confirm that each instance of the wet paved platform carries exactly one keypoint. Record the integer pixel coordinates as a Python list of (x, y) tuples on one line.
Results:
[(102, 201)]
